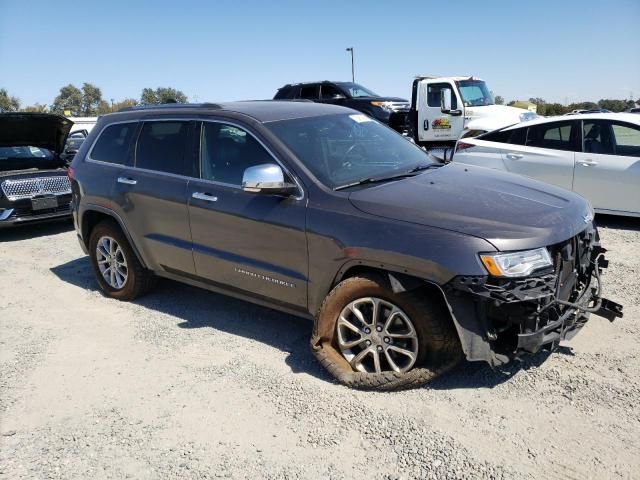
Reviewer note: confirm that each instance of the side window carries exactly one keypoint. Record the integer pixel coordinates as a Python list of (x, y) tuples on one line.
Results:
[(309, 91), (162, 147), (113, 143), (434, 92), (227, 151), (627, 138), (328, 92), (597, 137), (556, 136), (514, 136)]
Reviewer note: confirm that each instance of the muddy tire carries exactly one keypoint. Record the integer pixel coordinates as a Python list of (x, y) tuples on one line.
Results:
[(118, 271), (431, 346)]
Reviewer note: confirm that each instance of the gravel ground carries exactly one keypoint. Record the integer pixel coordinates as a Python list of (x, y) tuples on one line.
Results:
[(188, 384)]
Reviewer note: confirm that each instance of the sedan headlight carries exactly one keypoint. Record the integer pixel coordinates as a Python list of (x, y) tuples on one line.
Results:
[(516, 264)]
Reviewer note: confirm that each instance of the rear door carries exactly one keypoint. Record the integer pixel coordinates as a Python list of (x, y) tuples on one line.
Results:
[(546, 153), (248, 242), (310, 92), (152, 195), (608, 169)]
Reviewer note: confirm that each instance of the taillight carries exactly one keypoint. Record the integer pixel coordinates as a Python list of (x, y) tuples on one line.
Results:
[(463, 146), (70, 173)]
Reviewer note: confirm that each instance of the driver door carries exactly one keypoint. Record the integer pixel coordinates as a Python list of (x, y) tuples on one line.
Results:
[(433, 124), (248, 242)]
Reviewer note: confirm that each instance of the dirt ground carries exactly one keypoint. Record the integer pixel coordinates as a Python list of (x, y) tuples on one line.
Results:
[(188, 384)]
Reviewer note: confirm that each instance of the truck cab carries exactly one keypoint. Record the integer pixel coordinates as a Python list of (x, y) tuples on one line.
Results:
[(444, 109)]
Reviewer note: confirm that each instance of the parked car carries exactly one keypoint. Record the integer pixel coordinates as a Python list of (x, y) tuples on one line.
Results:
[(74, 140), (595, 155), (633, 110), (319, 211), (33, 176), (389, 110)]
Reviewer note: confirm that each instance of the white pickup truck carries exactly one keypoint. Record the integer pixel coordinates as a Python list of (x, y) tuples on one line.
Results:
[(444, 109)]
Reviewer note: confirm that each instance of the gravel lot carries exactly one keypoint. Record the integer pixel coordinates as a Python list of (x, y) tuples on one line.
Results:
[(188, 384)]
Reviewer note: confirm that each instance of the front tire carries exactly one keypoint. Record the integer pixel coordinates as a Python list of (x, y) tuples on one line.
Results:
[(369, 337), (118, 271)]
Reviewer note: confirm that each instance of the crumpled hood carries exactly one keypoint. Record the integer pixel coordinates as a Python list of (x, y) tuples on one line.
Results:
[(510, 211), (43, 130), (491, 117)]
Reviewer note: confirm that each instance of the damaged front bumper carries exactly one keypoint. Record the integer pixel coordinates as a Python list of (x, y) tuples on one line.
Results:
[(499, 319)]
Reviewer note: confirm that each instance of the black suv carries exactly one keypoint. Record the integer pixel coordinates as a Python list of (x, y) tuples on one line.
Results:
[(390, 110), (404, 265)]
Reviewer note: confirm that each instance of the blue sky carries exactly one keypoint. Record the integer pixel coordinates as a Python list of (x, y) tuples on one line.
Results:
[(560, 50)]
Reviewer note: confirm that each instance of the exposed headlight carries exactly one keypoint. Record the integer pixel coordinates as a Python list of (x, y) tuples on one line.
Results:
[(526, 116), (387, 106), (516, 264)]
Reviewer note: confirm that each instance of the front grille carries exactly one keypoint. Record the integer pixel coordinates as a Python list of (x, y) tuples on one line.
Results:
[(399, 106), (15, 189)]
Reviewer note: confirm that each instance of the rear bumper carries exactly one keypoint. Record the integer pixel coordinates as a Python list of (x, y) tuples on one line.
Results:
[(501, 319)]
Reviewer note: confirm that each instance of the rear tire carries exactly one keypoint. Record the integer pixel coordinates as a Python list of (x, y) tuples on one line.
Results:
[(435, 350), (118, 271)]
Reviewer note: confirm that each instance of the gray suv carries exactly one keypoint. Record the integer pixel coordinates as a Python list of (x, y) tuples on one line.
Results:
[(404, 266)]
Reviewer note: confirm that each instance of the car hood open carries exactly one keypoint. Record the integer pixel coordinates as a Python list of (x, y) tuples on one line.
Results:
[(510, 211), (43, 130)]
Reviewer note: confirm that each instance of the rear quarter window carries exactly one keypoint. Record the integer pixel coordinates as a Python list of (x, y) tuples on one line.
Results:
[(113, 143), (514, 136), (555, 136)]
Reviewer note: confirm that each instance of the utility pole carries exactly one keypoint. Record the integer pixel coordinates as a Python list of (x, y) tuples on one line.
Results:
[(353, 75)]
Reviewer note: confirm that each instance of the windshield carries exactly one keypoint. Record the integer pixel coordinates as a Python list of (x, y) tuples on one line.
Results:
[(475, 93), (346, 148), (356, 90)]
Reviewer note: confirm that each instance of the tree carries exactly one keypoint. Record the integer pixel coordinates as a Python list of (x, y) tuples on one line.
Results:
[(69, 99), (613, 105), (126, 103), (7, 102), (555, 109), (37, 108), (92, 101), (582, 106), (499, 100), (149, 96)]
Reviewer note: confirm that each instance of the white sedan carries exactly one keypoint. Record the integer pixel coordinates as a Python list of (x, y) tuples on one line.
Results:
[(596, 155)]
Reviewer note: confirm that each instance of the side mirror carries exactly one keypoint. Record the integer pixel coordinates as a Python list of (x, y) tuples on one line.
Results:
[(445, 103), (267, 178), (445, 100), (338, 96)]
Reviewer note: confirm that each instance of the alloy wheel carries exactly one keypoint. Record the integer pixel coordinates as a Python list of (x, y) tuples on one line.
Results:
[(112, 262), (375, 336)]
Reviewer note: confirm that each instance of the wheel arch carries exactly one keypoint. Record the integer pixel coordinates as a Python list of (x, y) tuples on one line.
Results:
[(93, 215)]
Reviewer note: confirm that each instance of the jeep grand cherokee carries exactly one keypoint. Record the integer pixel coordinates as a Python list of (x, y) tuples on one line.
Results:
[(404, 265)]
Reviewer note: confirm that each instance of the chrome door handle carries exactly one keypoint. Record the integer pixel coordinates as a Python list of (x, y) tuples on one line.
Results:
[(588, 163), (207, 197), (127, 181), (514, 156)]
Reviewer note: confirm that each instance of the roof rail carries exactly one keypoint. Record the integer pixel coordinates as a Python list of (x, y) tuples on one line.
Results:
[(172, 106)]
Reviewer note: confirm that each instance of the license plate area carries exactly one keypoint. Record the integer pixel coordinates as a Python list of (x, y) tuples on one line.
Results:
[(44, 203)]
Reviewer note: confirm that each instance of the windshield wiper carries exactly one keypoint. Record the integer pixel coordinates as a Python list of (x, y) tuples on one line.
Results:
[(408, 173)]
